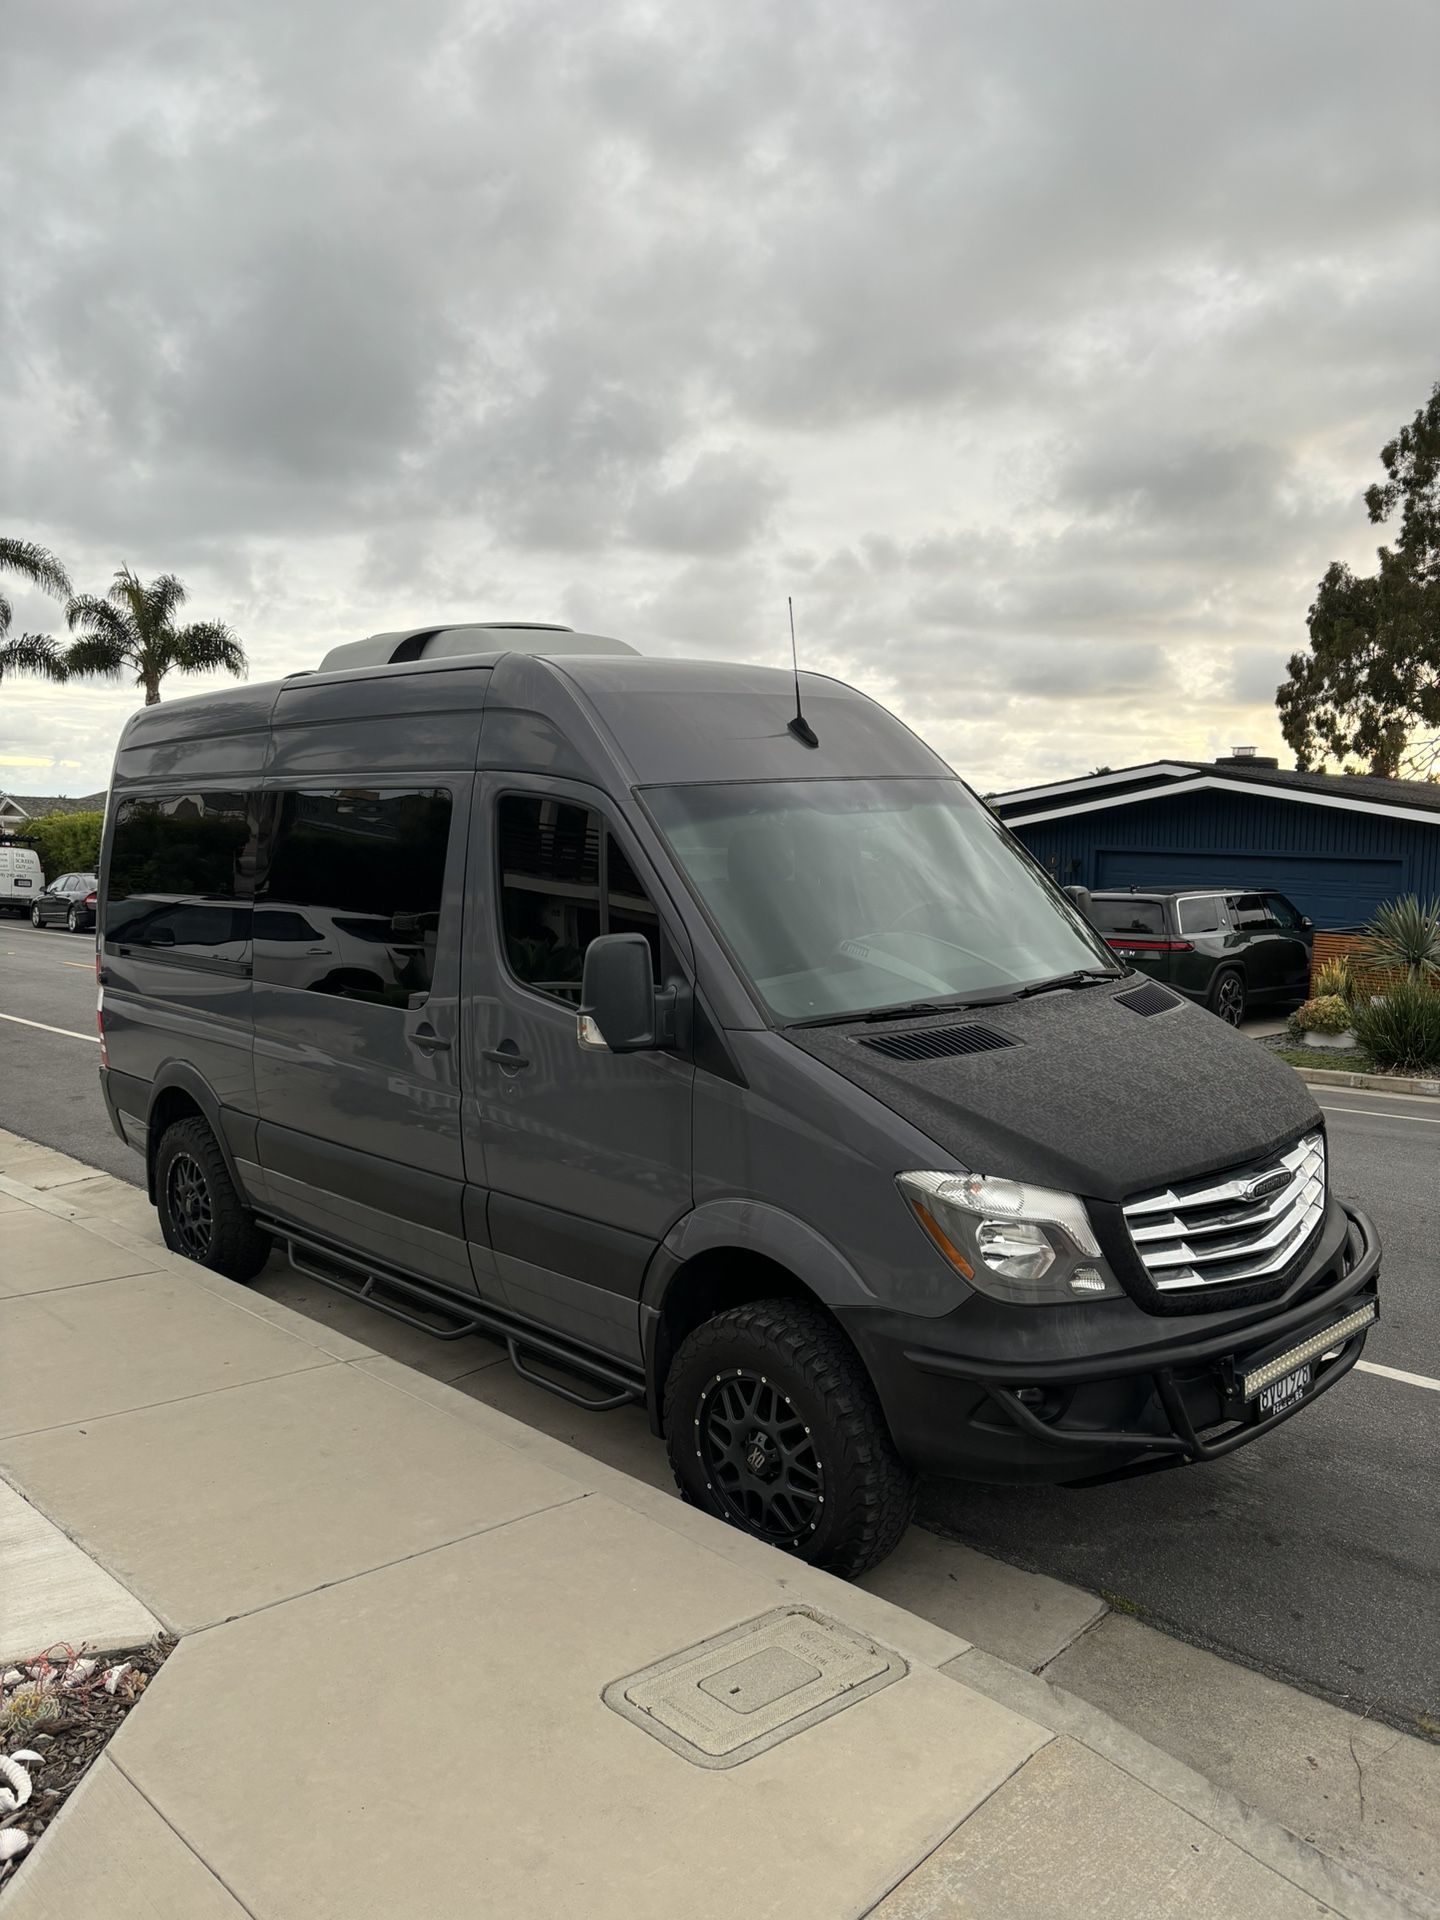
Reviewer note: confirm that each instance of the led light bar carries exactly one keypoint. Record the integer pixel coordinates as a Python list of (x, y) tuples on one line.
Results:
[(1273, 1370)]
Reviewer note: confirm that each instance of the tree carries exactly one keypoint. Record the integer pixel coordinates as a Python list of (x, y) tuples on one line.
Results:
[(1370, 684), (29, 652), (133, 628), (67, 842)]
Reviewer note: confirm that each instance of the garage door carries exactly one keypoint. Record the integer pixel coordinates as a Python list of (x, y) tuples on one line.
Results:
[(1335, 893)]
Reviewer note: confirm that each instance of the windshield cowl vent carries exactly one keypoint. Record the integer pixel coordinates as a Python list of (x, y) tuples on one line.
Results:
[(938, 1043), (1148, 999)]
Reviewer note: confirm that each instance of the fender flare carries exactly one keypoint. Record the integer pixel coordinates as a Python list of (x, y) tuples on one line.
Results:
[(180, 1074)]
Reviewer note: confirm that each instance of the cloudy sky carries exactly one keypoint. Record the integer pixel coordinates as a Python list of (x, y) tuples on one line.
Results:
[(1042, 351)]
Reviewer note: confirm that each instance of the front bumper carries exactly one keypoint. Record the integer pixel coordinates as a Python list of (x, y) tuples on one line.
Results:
[(1076, 1418)]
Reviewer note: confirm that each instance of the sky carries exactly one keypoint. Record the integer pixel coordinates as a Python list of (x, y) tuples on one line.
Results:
[(1042, 352)]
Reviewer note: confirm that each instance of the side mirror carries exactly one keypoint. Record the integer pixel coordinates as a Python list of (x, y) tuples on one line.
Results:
[(618, 998), (1081, 898), (1306, 922), (161, 937)]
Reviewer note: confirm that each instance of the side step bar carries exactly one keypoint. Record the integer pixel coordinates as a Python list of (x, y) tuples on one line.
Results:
[(454, 1318)]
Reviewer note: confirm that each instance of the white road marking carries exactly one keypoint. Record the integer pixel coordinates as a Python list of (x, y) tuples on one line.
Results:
[(83, 965), (45, 1027), (1398, 1373), (1379, 1113)]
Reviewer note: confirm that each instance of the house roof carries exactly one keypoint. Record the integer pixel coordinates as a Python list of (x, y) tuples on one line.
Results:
[(1150, 780), (35, 805)]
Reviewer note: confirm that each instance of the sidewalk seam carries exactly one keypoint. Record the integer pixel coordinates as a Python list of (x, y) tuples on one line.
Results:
[(363, 1573), (195, 1852), (89, 1553), (174, 1400)]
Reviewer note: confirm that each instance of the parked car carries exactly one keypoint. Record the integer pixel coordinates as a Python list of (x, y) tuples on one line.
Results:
[(67, 902), (21, 878), (730, 1062), (1226, 951)]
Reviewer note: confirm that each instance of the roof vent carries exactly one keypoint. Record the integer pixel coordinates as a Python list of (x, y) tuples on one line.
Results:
[(938, 1043), (1148, 999), (456, 642)]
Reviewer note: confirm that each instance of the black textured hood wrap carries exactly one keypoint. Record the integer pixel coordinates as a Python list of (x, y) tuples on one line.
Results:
[(1095, 1098)]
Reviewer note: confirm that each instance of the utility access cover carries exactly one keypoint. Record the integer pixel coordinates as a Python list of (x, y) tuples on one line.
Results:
[(743, 1691)]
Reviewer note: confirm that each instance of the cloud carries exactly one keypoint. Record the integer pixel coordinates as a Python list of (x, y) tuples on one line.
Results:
[(1042, 353)]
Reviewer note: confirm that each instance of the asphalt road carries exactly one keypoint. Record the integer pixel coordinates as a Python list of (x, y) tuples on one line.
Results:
[(1314, 1555)]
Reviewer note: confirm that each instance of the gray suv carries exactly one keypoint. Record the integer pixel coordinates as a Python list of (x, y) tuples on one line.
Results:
[(712, 1055)]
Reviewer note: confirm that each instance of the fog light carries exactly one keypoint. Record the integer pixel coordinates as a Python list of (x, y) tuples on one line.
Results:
[(1086, 1280)]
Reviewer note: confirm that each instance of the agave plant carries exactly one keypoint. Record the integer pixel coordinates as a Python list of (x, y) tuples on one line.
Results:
[(1405, 936)]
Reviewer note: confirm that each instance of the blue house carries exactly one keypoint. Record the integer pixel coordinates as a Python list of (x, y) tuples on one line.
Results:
[(1337, 844)]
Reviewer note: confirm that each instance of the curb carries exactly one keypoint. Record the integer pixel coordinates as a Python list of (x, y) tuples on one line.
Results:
[(1371, 1082)]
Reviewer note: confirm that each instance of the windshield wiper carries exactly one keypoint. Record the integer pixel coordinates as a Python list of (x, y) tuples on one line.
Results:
[(907, 1010), (1080, 977)]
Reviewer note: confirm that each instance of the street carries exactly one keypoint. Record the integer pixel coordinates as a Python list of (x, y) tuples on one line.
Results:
[(1313, 1556)]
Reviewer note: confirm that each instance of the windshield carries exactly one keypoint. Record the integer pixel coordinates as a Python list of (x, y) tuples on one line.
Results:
[(838, 897)]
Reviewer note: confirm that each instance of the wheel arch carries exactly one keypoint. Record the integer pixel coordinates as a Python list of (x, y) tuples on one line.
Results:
[(723, 1255), (179, 1092)]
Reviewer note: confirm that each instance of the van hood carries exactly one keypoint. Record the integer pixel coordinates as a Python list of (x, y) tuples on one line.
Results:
[(1084, 1092)]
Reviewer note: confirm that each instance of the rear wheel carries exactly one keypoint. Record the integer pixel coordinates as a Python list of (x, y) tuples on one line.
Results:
[(772, 1424), (1227, 996), (201, 1214), (72, 920), (36, 918)]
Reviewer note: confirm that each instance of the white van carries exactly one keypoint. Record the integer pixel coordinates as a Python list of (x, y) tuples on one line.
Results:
[(21, 878)]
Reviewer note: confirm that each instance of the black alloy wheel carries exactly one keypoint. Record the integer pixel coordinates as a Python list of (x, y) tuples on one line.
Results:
[(1228, 998), (759, 1458), (187, 1200)]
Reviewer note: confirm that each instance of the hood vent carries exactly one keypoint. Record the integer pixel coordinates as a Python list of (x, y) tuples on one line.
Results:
[(938, 1043), (1148, 999)]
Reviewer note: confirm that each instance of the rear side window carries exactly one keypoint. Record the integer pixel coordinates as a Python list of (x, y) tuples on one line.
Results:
[(349, 900), (1125, 915), (564, 878), (1251, 915), (1203, 915), (179, 874)]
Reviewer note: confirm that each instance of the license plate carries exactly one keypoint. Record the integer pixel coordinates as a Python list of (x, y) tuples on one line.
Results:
[(19, 882), (1287, 1391)]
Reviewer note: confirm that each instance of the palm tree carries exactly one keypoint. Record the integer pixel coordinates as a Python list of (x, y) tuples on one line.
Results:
[(133, 628), (30, 652)]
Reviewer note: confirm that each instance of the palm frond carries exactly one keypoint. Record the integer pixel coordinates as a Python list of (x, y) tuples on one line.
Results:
[(98, 619), (164, 598), (207, 645), (96, 656), (4, 615), (36, 564), (127, 594), (33, 653)]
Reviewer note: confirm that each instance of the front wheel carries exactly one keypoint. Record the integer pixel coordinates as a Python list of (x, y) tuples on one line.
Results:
[(72, 921), (201, 1214), (36, 919), (1227, 996), (772, 1424)]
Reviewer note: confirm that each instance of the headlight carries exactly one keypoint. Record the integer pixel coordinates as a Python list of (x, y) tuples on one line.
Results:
[(1027, 1245)]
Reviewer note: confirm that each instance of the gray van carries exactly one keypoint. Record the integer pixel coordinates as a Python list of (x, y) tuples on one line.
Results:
[(712, 1056)]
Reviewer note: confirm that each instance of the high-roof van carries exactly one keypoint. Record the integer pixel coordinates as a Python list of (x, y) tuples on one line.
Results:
[(694, 1031)]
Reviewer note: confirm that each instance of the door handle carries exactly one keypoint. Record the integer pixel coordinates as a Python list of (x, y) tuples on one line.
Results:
[(506, 1055), (429, 1041)]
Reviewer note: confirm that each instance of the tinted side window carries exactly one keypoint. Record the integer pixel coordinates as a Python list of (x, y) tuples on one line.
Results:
[(350, 895), (1202, 916), (1250, 913), (1128, 916), (1281, 911), (563, 880), (180, 874)]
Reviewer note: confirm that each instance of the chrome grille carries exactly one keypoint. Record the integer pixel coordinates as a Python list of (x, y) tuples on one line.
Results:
[(1232, 1227)]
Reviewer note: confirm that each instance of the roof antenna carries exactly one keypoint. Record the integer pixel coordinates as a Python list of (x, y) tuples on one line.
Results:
[(799, 726)]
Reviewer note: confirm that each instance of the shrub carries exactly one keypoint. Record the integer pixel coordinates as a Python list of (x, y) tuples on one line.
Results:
[(1326, 1013), (67, 842), (1335, 980), (1406, 934), (1402, 1031)]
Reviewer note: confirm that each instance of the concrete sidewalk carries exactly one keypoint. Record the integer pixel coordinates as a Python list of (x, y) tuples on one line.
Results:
[(414, 1636)]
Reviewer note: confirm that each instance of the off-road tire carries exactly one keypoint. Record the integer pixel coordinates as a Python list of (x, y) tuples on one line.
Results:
[(233, 1244), (1221, 998), (869, 1492)]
